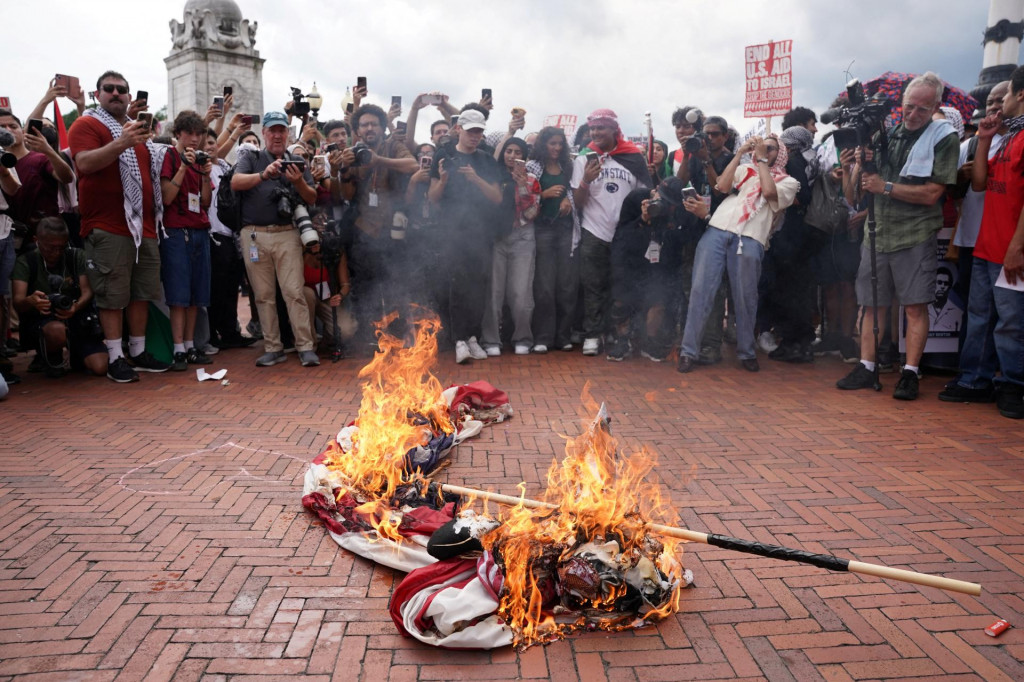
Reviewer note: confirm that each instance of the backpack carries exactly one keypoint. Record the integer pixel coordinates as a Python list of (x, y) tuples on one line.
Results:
[(827, 211), (229, 203)]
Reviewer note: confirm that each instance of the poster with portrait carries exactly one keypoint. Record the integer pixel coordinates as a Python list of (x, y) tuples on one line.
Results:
[(947, 313)]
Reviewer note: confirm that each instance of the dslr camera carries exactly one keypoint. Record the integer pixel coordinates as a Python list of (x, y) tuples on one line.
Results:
[(695, 143), (859, 120), (59, 300), (290, 207), (202, 158), (7, 159), (364, 155)]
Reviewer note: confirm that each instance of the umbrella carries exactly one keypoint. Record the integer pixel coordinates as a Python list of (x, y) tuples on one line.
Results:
[(891, 85)]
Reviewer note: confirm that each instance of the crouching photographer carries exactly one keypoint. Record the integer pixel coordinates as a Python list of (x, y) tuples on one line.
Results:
[(274, 188), (646, 261), (59, 312)]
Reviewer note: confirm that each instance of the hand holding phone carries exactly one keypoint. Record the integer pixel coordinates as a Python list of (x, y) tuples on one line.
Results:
[(142, 95), (228, 90), (146, 119), (35, 124)]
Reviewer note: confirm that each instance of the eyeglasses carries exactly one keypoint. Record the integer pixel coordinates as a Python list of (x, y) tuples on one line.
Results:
[(110, 87)]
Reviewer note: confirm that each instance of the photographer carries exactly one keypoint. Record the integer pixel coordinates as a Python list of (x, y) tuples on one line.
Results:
[(273, 186), (646, 262), (913, 171), (369, 174), (736, 238), (185, 243), (56, 313)]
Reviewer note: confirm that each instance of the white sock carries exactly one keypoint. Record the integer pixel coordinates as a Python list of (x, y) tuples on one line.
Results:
[(114, 350), (136, 345), (912, 368), (189, 345), (179, 348), (868, 364)]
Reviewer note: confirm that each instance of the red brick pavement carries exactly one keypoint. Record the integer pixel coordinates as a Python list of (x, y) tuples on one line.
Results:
[(154, 530)]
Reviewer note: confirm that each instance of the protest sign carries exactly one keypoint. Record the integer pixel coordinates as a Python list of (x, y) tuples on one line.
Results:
[(769, 78)]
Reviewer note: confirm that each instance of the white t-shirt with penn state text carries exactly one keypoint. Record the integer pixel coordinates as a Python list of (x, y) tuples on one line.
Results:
[(607, 192)]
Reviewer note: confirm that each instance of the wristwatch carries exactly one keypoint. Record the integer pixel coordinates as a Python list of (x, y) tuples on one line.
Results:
[(888, 189), (762, 160)]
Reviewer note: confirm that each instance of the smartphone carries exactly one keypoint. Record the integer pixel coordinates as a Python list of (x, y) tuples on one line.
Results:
[(69, 83), (35, 124), (592, 156), (319, 161), (400, 127), (142, 94), (332, 147), (294, 162), (455, 120), (426, 162), (396, 101), (690, 193), (251, 119), (361, 82), (520, 162), (146, 118), (228, 90), (432, 99), (218, 102), (349, 107), (485, 93)]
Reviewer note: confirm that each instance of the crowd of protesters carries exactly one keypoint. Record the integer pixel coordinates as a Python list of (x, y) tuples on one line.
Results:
[(522, 242)]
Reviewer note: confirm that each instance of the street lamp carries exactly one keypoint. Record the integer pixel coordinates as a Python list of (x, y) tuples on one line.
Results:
[(315, 100)]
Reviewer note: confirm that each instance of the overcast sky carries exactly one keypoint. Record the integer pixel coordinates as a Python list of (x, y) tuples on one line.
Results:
[(547, 56)]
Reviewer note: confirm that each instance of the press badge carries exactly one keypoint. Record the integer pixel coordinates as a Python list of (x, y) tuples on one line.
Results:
[(653, 252), (372, 200), (254, 252), (193, 202)]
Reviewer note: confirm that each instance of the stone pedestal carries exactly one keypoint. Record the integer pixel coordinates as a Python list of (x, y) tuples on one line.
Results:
[(213, 46), (196, 75)]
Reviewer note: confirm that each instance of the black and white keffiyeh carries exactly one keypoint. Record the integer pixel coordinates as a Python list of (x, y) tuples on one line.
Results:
[(131, 176)]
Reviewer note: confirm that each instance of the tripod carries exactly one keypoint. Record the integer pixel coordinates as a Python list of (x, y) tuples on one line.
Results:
[(872, 167)]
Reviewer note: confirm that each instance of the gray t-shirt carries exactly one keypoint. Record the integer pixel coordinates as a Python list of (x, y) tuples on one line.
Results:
[(259, 207)]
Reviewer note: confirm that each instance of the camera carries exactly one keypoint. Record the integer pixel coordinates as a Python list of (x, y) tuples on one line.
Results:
[(364, 155), (300, 108), (332, 147), (658, 208), (332, 245), (290, 208), (858, 120), (694, 143), (7, 159), (202, 158), (58, 301)]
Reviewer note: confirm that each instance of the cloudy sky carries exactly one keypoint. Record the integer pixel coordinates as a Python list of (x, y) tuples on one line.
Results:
[(547, 56)]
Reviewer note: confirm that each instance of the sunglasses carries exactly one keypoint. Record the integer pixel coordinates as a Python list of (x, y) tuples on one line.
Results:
[(110, 87)]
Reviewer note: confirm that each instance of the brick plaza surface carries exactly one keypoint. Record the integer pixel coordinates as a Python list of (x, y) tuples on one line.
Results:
[(154, 530)]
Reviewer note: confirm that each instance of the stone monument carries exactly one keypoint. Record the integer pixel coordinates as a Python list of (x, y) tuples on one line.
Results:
[(212, 47), (1002, 46)]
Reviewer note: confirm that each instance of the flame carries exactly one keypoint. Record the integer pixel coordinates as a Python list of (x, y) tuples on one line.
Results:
[(402, 408), (603, 502)]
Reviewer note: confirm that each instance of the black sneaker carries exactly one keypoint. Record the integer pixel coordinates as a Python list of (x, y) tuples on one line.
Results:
[(1010, 400), (860, 377), (120, 371), (849, 350), (907, 386), (709, 356), (145, 362), (180, 362), (956, 393), (619, 350), (194, 356)]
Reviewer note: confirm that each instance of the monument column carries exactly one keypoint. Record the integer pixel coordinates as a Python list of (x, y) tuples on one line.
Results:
[(1002, 45), (212, 47)]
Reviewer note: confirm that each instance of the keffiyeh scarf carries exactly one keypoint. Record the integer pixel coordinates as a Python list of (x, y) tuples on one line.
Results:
[(131, 176), (753, 201)]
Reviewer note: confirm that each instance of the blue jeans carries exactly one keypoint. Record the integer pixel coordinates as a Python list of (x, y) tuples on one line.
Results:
[(995, 330), (716, 253)]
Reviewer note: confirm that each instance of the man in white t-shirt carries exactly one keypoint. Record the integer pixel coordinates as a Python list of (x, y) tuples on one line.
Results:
[(603, 174), (736, 240)]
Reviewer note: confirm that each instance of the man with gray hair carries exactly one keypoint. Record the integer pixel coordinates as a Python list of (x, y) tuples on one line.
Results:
[(908, 179)]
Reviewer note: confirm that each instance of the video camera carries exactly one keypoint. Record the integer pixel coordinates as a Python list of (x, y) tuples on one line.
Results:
[(7, 159), (300, 107), (859, 120), (291, 208)]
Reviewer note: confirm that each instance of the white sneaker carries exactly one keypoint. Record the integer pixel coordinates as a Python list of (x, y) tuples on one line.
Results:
[(522, 349), (461, 352), (540, 348), (475, 351), (493, 351), (591, 346), (766, 342)]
